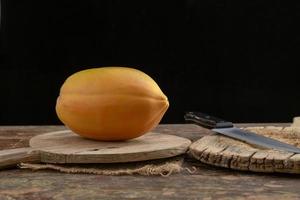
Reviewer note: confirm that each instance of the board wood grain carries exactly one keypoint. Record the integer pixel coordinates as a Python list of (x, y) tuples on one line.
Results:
[(222, 151), (67, 147)]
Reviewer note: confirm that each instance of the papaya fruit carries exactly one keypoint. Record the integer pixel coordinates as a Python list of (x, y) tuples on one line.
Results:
[(111, 103)]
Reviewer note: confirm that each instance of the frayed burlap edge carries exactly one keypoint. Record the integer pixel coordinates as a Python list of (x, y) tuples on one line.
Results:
[(163, 169)]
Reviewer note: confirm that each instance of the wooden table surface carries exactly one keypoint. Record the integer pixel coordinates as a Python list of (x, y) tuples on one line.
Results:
[(206, 183)]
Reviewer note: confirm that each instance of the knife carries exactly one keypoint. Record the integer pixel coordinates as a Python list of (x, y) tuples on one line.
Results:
[(227, 128)]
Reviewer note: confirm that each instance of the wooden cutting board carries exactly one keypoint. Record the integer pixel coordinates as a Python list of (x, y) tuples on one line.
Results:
[(222, 151), (68, 147)]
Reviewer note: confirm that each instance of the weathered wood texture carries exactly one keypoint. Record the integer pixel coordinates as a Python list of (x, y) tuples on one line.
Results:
[(206, 182), (222, 151), (67, 147), (12, 157)]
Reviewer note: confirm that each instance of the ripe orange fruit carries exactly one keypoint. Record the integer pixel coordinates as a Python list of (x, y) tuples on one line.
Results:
[(111, 103)]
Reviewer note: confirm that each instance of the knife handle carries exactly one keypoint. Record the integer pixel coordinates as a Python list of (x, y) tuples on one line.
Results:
[(207, 121)]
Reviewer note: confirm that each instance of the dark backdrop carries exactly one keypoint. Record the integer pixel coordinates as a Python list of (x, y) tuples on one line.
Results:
[(234, 59)]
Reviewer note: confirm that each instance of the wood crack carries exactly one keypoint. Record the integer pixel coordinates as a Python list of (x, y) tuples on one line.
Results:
[(229, 153)]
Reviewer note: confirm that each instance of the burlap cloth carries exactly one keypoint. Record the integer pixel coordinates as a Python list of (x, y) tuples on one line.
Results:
[(162, 167)]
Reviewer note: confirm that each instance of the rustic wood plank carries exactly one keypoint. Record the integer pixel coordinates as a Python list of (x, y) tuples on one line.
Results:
[(206, 181), (12, 137), (12, 157)]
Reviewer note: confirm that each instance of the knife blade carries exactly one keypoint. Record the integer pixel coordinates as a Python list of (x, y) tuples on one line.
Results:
[(227, 128)]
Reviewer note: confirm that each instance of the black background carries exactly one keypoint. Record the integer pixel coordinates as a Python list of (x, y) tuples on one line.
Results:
[(233, 59)]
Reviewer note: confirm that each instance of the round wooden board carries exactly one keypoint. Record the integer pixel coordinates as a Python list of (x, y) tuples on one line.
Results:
[(68, 147), (222, 151)]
